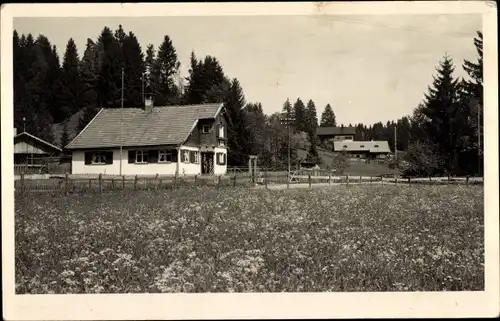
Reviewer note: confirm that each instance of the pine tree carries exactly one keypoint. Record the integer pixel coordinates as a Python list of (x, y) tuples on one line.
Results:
[(110, 71), (328, 117), (312, 120), (72, 88), (312, 154), (443, 112), (300, 115), (475, 71), (89, 71), (164, 70), (237, 133), (134, 67)]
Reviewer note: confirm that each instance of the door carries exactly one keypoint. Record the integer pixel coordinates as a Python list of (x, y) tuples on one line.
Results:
[(207, 162)]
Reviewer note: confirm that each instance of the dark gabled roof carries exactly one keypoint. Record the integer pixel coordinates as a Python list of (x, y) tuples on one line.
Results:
[(38, 140), (167, 125), (327, 131)]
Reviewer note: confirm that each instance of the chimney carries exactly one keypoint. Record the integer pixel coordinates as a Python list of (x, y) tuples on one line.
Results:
[(148, 104)]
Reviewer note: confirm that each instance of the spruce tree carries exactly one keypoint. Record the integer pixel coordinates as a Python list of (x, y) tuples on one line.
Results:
[(89, 71), (65, 135), (300, 115), (311, 120), (134, 67), (164, 70), (328, 117), (237, 131), (110, 71), (442, 109), (70, 76)]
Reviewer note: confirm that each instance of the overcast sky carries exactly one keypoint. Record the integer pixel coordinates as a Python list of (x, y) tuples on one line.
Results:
[(369, 68)]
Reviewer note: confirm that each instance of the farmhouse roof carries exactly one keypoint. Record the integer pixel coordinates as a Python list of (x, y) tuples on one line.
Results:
[(166, 125), (25, 134), (327, 131), (362, 146)]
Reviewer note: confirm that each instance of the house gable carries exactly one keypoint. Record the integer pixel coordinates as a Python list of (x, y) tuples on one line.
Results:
[(26, 143)]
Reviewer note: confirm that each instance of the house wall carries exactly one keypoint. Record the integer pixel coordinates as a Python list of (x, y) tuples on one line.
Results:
[(78, 165), (198, 138), (220, 169), (28, 147)]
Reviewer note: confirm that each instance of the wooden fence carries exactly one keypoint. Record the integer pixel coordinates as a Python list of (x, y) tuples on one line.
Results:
[(100, 183)]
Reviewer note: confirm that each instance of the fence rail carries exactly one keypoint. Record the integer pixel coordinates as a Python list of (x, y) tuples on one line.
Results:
[(99, 183)]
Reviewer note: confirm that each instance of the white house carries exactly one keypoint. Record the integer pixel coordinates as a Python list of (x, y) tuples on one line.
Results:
[(188, 140)]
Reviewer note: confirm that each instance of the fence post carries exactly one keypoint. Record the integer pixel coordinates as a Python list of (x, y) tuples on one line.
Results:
[(265, 177), (195, 178), (100, 183), (90, 184), (23, 187), (123, 182), (135, 181), (346, 179), (112, 183), (360, 179), (395, 179), (409, 180), (66, 186), (234, 182), (329, 178), (382, 179), (218, 181), (288, 179), (154, 183), (371, 179), (309, 175), (467, 180), (430, 179)]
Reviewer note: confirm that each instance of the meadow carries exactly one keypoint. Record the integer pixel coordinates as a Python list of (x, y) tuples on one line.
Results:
[(343, 238)]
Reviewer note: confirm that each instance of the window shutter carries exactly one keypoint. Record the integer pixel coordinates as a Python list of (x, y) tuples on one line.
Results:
[(183, 159), (218, 158), (225, 159), (174, 156), (153, 156), (88, 158), (191, 157), (109, 157), (131, 156)]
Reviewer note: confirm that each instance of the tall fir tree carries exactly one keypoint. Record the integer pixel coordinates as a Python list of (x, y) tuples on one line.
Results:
[(312, 120), (134, 67), (89, 73), (237, 131), (70, 76), (300, 115), (443, 113), (328, 117), (110, 71), (65, 135), (164, 70)]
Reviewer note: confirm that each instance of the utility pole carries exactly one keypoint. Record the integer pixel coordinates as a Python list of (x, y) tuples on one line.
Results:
[(24, 124), (395, 150), (142, 92), (121, 126)]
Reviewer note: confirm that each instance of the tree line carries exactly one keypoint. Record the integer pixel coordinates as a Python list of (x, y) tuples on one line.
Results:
[(442, 135)]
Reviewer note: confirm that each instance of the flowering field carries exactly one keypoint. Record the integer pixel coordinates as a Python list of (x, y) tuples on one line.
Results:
[(356, 238)]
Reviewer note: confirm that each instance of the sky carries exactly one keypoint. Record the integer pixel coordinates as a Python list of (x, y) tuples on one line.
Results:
[(369, 68)]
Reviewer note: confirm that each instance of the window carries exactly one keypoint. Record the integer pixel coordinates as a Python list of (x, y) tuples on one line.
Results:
[(205, 129), (164, 156), (141, 156), (345, 146), (221, 143), (185, 156), (221, 158), (98, 158), (196, 157), (221, 131), (362, 146), (376, 146)]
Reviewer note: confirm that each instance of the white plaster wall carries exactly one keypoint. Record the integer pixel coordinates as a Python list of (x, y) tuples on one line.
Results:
[(219, 169), (79, 167), (188, 168)]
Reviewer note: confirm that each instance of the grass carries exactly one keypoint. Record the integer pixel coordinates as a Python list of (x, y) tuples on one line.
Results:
[(359, 238)]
